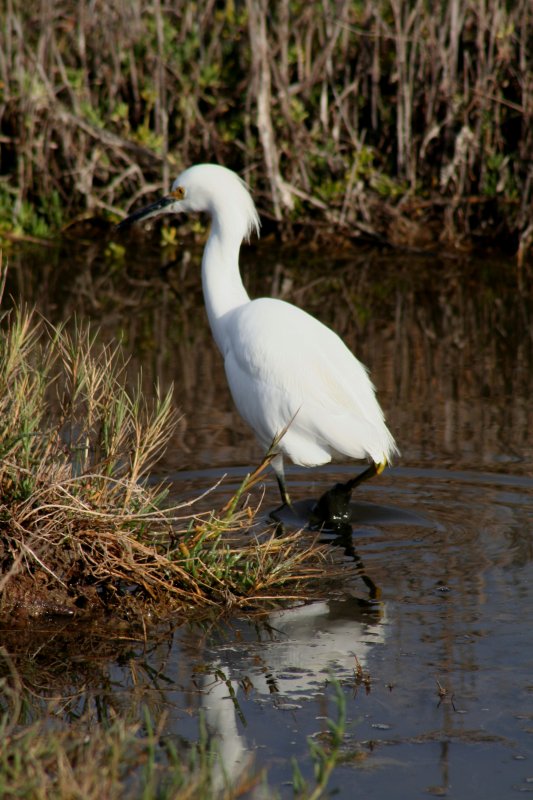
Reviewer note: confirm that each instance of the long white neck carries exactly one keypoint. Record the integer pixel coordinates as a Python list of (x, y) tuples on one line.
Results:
[(221, 280)]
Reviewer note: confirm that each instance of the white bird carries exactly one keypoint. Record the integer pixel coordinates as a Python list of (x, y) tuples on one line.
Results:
[(288, 373)]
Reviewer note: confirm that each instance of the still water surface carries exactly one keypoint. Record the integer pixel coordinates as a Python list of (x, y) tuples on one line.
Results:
[(446, 652)]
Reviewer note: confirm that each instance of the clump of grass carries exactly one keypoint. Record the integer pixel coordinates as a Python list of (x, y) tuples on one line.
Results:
[(112, 758), (80, 525), (117, 754), (124, 759)]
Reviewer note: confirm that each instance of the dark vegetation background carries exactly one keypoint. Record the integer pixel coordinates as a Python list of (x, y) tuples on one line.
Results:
[(404, 120)]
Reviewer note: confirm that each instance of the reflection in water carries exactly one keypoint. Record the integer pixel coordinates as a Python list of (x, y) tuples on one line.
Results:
[(294, 655), (297, 649)]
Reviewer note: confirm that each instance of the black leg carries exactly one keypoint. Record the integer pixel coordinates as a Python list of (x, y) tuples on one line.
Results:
[(285, 502), (369, 472), (332, 509), (277, 465), (285, 499)]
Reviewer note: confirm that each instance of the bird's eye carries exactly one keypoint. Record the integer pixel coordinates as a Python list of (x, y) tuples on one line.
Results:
[(178, 193)]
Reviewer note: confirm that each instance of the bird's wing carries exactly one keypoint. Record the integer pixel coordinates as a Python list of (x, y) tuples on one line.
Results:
[(285, 367)]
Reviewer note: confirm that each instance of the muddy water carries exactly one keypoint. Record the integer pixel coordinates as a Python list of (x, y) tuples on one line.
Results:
[(437, 671)]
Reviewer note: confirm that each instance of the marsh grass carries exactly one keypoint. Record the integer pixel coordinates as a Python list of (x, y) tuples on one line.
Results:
[(399, 119), (82, 528), (119, 754), (124, 759), (117, 758)]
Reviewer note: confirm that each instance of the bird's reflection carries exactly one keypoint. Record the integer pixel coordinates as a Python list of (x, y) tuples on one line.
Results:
[(286, 660)]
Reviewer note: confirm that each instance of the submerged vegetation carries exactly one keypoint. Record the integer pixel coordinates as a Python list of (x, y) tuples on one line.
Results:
[(401, 120)]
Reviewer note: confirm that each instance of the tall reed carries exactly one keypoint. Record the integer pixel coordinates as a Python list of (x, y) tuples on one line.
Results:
[(371, 115)]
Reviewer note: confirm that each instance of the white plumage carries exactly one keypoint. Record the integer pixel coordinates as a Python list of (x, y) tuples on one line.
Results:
[(284, 367)]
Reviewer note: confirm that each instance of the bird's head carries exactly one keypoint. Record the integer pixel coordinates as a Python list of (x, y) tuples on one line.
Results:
[(205, 187)]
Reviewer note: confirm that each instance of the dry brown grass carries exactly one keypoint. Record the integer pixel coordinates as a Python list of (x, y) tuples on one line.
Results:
[(86, 757), (81, 527)]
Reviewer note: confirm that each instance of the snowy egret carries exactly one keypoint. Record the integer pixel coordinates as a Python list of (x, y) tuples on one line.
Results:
[(288, 373)]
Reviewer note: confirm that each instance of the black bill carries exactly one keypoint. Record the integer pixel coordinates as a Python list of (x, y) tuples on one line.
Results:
[(151, 210)]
